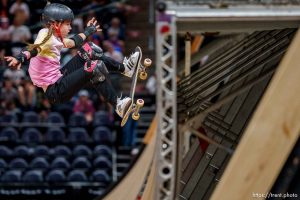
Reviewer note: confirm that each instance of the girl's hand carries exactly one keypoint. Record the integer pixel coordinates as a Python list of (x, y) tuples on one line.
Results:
[(13, 62), (93, 22)]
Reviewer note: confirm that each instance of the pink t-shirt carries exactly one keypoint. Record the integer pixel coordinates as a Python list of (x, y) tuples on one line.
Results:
[(44, 68)]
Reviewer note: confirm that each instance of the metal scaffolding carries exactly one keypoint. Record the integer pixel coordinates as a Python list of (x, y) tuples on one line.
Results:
[(166, 107)]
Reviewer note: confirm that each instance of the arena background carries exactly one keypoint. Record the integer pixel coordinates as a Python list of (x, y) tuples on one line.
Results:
[(221, 115)]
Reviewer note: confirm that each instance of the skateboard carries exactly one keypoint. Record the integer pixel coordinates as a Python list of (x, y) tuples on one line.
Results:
[(140, 72)]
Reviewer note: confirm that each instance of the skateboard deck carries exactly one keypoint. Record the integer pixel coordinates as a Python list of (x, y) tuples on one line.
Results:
[(134, 107)]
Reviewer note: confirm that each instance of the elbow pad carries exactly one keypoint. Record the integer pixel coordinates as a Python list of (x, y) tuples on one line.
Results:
[(77, 40)]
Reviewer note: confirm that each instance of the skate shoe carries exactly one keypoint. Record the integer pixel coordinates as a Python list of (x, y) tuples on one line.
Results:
[(130, 63), (122, 106)]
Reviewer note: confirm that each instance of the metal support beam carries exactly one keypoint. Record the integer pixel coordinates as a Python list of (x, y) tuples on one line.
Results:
[(166, 109)]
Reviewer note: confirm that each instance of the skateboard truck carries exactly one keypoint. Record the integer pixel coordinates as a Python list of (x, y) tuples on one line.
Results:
[(143, 73)]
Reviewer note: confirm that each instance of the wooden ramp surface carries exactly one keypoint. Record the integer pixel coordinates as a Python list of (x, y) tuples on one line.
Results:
[(130, 186)]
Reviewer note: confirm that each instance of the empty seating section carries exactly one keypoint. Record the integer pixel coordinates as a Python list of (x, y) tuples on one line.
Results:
[(56, 151)]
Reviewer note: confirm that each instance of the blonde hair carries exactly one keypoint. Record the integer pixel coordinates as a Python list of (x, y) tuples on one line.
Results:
[(31, 47)]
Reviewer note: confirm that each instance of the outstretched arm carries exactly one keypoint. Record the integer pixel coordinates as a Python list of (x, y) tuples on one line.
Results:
[(78, 40), (24, 55)]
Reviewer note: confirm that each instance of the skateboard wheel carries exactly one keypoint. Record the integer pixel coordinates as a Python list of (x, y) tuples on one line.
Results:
[(136, 117), (143, 75), (140, 102), (147, 62)]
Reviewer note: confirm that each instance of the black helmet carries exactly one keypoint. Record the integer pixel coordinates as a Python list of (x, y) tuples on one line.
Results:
[(56, 12)]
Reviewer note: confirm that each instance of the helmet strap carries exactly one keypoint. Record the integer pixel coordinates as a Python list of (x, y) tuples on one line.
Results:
[(57, 31)]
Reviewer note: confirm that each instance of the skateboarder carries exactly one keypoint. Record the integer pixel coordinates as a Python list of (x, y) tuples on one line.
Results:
[(88, 68)]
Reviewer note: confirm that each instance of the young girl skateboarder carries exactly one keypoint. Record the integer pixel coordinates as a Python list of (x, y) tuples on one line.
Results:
[(88, 68)]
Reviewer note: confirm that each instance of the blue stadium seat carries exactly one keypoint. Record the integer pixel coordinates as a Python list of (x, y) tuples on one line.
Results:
[(101, 118), (81, 163), (9, 134), (62, 150), (55, 134), (77, 176), (32, 135), (11, 176), (22, 150), (3, 164), (78, 120), (18, 163), (39, 163), (100, 176), (9, 118), (33, 176), (30, 117), (56, 176), (55, 118), (78, 135), (82, 150), (102, 135), (102, 162), (102, 150), (5, 151), (41, 150), (60, 163)]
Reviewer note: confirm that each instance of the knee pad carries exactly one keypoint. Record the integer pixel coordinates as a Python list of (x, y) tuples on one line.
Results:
[(90, 51), (99, 71)]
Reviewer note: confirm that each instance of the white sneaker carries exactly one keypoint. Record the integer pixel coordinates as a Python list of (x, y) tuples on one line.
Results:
[(130, 63), (122, 106)]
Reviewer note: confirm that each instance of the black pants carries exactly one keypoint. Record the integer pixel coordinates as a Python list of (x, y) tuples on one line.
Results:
[(75, 77)]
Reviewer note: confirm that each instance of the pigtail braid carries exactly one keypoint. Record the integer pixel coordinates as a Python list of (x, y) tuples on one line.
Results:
[(31, 47)]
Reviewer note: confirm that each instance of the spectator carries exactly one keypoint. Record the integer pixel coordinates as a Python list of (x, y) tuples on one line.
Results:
[(111, 52), (18, 6), (8, 95), (117, 44), (20, 33), (117, 28), (27, 94), (84, 105), (16, 76)]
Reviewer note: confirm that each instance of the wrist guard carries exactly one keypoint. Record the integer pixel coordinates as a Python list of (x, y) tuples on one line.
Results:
[(21, 57), (89, 30)]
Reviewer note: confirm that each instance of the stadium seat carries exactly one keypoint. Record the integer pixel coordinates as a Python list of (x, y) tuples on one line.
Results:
[(11, 176), (82, 150), (81, 163), (41, 150), (30, 117), (102, 150), (3, 164), (39, 163), (102, 135), (78, 120), (18, 163), (32, 135), (102, 162), (55, 134), (55, 118), (56, 176), (9, 118), (62, 150), (9, 134), (22, 150), (33, 176), (100, 176), (101, 118), (5, 151), (77, 176), (60, 163), (78, 135)]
